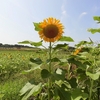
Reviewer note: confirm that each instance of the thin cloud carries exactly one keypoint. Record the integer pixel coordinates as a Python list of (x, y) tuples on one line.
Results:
[(96, 8), (82, 14), (63, 10)]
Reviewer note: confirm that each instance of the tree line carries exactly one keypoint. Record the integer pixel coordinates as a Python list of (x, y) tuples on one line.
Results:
[(14, 46)]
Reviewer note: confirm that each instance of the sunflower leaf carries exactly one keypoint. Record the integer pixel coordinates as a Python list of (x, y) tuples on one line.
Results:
[(32, 43), (61, 46), (97, 18), (36, 43), (66, 38), (25, 42), (93, 31), (45, 73), (37, 27)]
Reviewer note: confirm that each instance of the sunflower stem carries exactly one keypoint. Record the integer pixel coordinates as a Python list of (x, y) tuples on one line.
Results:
[(49, 79)]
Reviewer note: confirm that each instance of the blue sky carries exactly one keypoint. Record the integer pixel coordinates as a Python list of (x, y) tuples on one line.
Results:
[(17, 17)]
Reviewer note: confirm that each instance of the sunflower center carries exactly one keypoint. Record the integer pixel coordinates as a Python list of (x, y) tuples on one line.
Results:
[(51, 31)]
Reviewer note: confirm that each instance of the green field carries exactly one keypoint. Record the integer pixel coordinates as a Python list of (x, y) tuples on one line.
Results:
[(80, 72), (12, 64)]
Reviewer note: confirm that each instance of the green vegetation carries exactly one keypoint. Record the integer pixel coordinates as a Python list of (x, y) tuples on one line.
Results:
[(12, 64), (55, 73)]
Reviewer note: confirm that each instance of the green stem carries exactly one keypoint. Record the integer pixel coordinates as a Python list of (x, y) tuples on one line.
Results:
[(50, 57), (49, 80), (90, 95), (91, 80), (44, 47)]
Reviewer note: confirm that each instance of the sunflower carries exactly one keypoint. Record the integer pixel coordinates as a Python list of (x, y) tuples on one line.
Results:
[(52, 30), (77, 51)]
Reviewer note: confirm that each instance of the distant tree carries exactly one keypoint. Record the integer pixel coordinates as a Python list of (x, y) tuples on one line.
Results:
[(1, 44)]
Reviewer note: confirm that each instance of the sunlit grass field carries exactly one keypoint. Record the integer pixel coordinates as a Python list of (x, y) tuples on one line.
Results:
[(12, 65), (15, 64)]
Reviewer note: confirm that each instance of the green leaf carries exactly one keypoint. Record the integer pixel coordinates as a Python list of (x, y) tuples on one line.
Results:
[(63, 60), (31, 43), (36, 61), (32, 69), (59, 46), (93, 76), (65, 38), (97, 18), (45, 73), (59, 74), (26, 88), (55, 60), (93, 31), (77, 94), (73, 60), (36, 43), (73, 82), (35, 90), (63, 94), (37, 27), (59, 71), (83, 43), (25, 42)]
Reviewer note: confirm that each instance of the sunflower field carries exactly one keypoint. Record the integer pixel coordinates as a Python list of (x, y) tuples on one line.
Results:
[(53, 73)]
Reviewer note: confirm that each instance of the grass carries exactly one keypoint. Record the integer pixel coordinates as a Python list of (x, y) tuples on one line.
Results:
[(12, 64), (11, 89)]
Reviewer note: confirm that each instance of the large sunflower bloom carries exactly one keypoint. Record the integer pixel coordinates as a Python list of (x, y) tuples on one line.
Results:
[(52, 30)]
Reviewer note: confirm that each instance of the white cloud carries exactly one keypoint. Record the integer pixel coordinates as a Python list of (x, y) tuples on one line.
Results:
[(82, 14), (95, 9), (63, 10)]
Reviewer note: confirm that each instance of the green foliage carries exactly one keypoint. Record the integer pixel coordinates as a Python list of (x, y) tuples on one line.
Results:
[(9, 90), (13, 62), (93, 31), (45, 73), (64, 76), (34, 67), (63, 93), (37, 27), (73, 82), (82, 43), (36, 60), (61, 46), (31, 43), (59, 74), (93, 76), (66, 38), (78, 94), (97, 18), (30, 89)]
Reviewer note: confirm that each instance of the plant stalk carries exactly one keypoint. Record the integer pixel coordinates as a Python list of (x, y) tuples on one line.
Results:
[(90, 95), (49, 79)]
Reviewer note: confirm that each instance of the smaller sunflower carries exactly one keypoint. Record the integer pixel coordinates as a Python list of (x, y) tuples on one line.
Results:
[(52, 30), (77, 51)]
